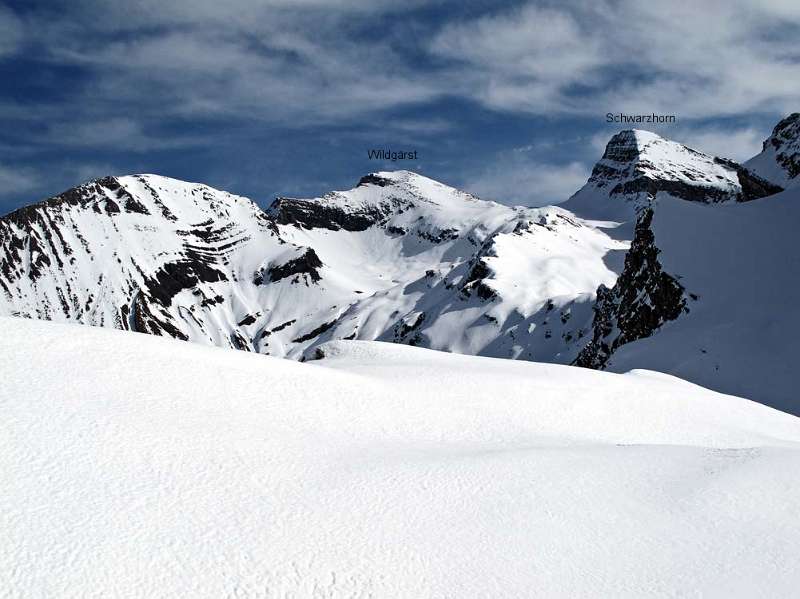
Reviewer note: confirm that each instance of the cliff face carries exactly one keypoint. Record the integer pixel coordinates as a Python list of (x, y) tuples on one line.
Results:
[(642, 300)]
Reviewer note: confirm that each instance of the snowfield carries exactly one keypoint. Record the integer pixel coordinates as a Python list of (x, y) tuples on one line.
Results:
[(137, 466)]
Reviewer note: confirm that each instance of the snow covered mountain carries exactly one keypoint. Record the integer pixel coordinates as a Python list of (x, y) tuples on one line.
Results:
[(400, 257), (665, 257), (136, 466), (779, 161), (143, 253), (639, 165)]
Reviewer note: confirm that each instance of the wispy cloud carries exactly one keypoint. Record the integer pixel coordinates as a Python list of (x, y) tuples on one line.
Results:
[(314, 62), (16, 180), (263, 62), (694, 59)]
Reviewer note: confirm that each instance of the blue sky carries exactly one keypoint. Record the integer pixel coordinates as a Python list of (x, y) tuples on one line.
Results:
[(285, 97)]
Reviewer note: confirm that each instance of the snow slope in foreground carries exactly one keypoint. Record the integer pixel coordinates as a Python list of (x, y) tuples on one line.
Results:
[(139, 466)]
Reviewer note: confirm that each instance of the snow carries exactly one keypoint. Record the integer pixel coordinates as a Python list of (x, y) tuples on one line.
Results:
[(139, 466)]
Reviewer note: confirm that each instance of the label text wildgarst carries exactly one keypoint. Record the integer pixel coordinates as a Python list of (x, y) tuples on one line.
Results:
[(639, 118), (391, 155)]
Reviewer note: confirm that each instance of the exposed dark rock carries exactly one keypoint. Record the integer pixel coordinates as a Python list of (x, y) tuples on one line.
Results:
[(280, 327), (134, 205), (311, 214), (152, 319), (111, 207), (334, 213), (439, 236), (210, 301), (785, 142), (753, 186), (308, 263), (408, 332), (249, 319), (165, 212), (174, 277), (373, 179), (621, 147), (239, 342), (643, 299), (475, 281), (630, 172), (680, 189), (316, 332)]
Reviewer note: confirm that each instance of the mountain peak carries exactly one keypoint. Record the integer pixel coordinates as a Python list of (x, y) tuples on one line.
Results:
[(637, 165), (637, 162), (629, 144), (377, 197), (384, 178), (779, 160)]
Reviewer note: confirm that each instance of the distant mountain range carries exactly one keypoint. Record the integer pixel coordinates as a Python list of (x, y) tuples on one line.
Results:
[(667, 259)]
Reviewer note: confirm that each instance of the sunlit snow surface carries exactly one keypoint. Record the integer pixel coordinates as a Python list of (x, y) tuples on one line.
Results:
[(136, 466)]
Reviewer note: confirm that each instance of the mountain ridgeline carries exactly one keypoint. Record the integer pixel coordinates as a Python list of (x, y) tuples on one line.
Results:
[(645, 266)]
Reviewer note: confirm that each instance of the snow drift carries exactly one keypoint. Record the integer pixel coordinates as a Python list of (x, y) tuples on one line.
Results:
[(134, 465)]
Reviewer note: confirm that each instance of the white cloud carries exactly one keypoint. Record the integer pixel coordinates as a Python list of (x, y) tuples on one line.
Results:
[(696, 60), (518, 180), (276, 71), (302, 63), (520, 59)]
